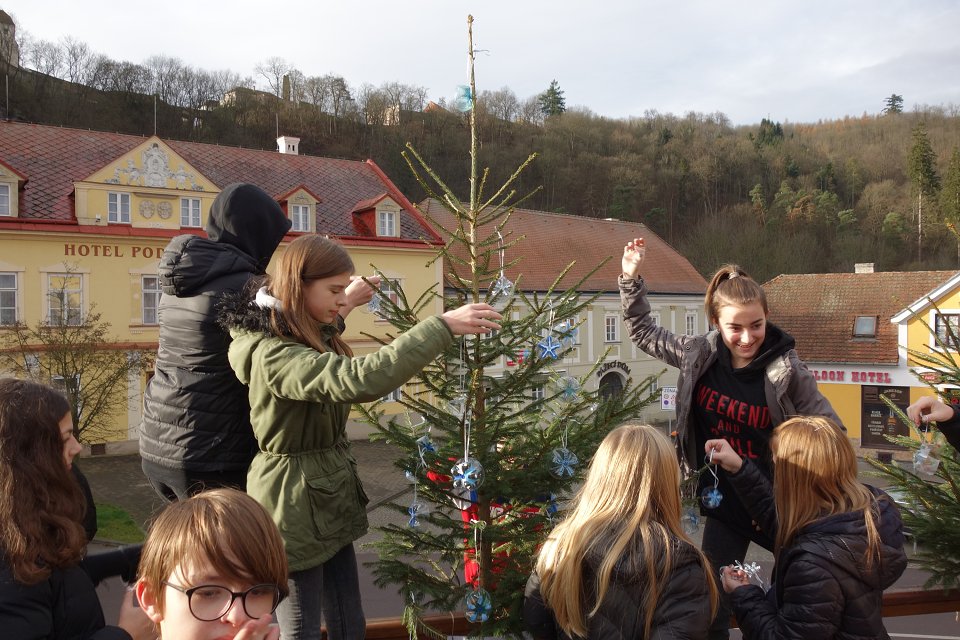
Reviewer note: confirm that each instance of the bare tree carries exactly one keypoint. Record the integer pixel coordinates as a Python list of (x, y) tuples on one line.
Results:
[(273, 69), (77, 354), (166, 73), (501, 104), (78, 60)]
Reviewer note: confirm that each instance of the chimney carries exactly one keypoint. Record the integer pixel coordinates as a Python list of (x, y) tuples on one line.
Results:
[(288, 144), (863, 267)]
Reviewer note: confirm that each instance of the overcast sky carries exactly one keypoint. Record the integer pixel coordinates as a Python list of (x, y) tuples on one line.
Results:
[(787, 61)]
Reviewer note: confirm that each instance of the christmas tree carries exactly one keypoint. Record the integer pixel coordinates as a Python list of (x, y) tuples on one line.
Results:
[(490, 456), (928, 488)]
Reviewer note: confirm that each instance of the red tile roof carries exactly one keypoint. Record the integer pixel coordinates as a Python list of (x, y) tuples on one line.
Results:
[(819, 310), (53, 158), (552, 241)]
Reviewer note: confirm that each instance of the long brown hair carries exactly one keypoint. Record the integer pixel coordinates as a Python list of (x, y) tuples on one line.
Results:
[(731, 285), (306, 259), (41, 504), (627, 509), (224, 528), (815, 476)]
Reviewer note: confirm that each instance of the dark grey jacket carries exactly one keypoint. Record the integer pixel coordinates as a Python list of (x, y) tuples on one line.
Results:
[(822, 585), (789, 386), (682, 611), (196, 416)]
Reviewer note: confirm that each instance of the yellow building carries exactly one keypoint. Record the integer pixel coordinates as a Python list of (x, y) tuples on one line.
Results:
[(84, 218), (547, 244), (854, 330)]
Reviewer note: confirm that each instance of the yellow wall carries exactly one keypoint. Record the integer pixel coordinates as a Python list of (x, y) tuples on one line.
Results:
[(112, 267)]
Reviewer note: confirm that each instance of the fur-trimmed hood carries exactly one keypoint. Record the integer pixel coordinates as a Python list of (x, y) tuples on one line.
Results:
[(255, 310)]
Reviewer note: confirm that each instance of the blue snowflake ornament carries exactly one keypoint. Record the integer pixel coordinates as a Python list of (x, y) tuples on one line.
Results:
[(414, 510), (564, 462), (711, 497), (478, 605), (467, 474), (549, 347), (502, 287), (463, 101), (375, 306), (569, 388), (425, 444), (569, 333)]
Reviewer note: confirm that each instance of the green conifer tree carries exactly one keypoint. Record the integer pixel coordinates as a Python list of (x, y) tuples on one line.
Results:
[(928, 489), (532, 448), (552, 102)]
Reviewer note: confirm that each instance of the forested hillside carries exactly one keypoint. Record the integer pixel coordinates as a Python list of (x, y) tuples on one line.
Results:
[(775, 197)]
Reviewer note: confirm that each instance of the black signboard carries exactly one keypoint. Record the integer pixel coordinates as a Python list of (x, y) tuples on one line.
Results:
[(879, 420)]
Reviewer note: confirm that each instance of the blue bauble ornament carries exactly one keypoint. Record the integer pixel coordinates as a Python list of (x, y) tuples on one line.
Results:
[(711, 497), (478, 605)]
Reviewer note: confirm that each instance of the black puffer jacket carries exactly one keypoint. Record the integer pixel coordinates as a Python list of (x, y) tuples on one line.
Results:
[(682, 611), (822, 586), (196, 416), (63, 607)]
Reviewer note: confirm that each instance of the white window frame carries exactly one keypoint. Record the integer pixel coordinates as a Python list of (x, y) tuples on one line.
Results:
[(62, 295), (5, 200), (938, 336), (690, 323), (190, 212), (387, 224), (611, 328), (5, 291), (118, 208), (538, 392), (388, 290), (861, 331), (150, 300), (300, 217), (655, 317)]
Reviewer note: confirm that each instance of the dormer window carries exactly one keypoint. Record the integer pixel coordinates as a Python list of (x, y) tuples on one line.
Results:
[(865, 327), (387, 223), (4, 200), (300, 217)]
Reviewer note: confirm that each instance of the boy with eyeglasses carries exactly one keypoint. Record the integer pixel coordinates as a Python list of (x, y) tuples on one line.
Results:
[(213, 567)]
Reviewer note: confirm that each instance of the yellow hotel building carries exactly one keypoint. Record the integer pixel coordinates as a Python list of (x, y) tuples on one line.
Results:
[(85, 215), (855, 332)]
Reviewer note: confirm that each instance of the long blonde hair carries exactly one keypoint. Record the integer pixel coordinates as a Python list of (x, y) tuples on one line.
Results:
[(627, 511), (815, 476), (306, 259)]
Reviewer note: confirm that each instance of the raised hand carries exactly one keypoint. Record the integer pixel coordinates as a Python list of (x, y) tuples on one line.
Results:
[(633, 255), (474, 318), (359, 293)]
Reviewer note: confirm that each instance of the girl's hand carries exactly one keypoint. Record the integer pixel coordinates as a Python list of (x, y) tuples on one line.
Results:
[(724, 455), (732, 578), (259, 629), (359, 293), (633, 255), (475, 318), (929, 409)]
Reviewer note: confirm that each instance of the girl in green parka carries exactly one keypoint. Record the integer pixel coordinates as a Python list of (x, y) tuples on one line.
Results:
[(302, 379)]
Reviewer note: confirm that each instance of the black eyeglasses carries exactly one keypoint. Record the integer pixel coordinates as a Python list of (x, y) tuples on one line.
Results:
[(210, 602)]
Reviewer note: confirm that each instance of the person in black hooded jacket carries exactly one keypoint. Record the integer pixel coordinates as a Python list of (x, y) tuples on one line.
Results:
[(196, 430), (839, 543)]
